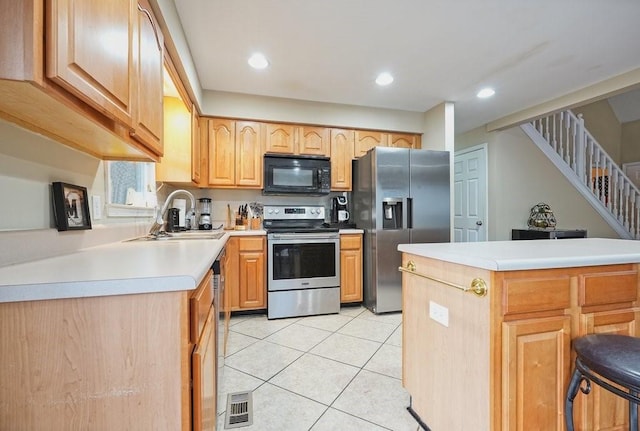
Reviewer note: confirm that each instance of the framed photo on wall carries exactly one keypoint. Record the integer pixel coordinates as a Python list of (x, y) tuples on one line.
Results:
[(70, 207)]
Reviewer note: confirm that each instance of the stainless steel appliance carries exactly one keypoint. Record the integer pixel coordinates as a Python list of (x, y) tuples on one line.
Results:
[(303, 262), (400, 196), (285, 174)]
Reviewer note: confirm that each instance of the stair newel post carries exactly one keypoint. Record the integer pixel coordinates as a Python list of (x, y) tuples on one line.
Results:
[(581, 164)]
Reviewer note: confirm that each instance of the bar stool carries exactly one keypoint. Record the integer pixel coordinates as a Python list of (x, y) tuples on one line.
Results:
[(615, 358)]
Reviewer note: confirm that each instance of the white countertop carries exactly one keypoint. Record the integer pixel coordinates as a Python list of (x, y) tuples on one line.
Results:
[(535, 254), (118, 268)]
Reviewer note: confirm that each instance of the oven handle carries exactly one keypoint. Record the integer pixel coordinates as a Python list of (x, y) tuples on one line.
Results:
[(289, 236)]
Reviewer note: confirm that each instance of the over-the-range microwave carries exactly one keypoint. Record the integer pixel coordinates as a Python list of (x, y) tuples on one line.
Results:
[(286, 174)]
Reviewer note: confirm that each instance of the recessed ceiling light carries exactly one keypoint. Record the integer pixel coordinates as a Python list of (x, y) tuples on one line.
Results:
[(486, 92), (258, 61), (384, 78)]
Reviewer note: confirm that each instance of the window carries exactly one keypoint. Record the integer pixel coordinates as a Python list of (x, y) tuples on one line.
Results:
[(131, 189)]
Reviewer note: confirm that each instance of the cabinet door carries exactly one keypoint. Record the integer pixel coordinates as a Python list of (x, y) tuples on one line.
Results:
[(148, 48), (196, 147), (341, 156), (204, 378), (175, 166), (222, 152), (313, 141), (365, 140), (89, 52), (601, 410), (535, 369), (279, 138), (248, 154), (404, 140), (232, 275), (350, 268), (252, 284)]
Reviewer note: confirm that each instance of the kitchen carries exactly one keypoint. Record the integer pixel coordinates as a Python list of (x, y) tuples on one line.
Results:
[(30, 167)]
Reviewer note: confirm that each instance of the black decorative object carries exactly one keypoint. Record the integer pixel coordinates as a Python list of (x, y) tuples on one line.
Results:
[(70, 207)]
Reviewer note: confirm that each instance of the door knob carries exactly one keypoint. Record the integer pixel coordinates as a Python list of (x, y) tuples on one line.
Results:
[(479, 222)]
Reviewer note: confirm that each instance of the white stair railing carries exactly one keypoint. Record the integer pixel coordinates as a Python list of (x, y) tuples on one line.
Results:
[(575, 152)]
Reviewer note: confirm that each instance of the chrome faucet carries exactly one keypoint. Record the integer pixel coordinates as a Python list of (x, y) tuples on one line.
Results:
[(159, 221)]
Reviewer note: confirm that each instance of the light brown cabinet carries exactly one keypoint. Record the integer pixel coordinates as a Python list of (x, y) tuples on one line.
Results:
[(520, 338), (341, 157), (234, 153), (148, 92), (69, 70), (367, 139), (90, 52), (279, 138), (404, 140), (204, 360), (299, 140), (313, 141), (350, 268), (182, 161), (246, 273)]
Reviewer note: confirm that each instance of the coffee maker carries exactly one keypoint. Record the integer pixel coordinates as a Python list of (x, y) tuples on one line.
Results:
[(339, 210)]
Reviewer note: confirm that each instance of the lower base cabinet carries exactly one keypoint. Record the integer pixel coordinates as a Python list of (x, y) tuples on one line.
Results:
[(518, 338), (350, 268), (127, 362), (246, 273)]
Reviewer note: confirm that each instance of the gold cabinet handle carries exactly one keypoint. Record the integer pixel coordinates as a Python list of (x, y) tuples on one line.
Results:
[(478, 285)]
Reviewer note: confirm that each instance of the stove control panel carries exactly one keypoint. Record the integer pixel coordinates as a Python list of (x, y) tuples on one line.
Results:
[(283, 212)]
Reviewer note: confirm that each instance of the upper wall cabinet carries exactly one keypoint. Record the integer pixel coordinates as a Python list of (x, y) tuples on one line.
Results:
[(404, 140), (147, 109), (313, 141), (78, 82), (302, 140), (279, 138), (366, 139), (234, 153), (90, 52), (341, 156)]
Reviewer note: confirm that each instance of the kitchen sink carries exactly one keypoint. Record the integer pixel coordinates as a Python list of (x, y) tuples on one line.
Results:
[(180, 236)]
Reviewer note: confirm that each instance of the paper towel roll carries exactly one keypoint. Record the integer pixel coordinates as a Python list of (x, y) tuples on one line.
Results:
[(181, 204)]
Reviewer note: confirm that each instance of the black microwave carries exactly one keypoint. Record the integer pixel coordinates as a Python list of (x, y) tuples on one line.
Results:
[(286, 174)]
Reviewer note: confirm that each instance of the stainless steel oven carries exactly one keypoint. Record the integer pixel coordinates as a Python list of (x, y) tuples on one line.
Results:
[(303, 262)]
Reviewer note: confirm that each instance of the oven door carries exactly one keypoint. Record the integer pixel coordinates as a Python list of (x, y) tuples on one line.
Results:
[(303, 260)]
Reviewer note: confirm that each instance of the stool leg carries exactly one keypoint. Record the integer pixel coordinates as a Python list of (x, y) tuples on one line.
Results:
[(572, 391), (633, 415)]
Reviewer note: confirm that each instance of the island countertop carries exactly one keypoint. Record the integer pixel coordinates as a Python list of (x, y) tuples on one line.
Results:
[(524, 255), (118, 268)]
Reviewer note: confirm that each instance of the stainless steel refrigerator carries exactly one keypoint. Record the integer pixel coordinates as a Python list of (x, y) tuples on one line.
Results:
[(400, 196)]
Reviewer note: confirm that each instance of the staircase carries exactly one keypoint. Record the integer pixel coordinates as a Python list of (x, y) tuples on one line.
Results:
[(569, 145)]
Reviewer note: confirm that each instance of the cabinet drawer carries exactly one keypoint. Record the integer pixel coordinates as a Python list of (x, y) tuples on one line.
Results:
[(540, 294), (199, 305), (608, 288), (251, 243), (350, 242)]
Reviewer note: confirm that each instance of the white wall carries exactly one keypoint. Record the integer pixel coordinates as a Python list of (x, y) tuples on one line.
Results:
[(234, 105), (519, 177)]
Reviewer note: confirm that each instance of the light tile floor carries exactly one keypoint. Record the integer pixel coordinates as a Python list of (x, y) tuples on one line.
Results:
[(319, 373)]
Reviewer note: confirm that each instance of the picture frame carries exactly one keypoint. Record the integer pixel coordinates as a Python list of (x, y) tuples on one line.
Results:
[(70, 206)]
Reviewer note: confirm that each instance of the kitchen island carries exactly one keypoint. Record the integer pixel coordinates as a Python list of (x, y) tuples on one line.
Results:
[(500, 358), (114, 337)]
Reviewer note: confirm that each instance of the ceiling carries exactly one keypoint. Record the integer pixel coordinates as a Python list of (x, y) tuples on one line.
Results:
[(438, 50)]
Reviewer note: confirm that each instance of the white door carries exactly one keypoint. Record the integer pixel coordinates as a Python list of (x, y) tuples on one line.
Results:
[(470, 194)]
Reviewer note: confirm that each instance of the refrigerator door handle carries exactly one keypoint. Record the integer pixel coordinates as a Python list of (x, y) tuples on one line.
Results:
[(409, 206)]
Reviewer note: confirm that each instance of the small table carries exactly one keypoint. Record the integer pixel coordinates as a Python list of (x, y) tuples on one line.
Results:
[(518, 234)]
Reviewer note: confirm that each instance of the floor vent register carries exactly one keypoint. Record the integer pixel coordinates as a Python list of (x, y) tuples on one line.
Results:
[(239, 410)]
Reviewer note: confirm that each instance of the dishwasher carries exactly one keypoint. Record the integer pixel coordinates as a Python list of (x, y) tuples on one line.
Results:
[(218, 295)]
